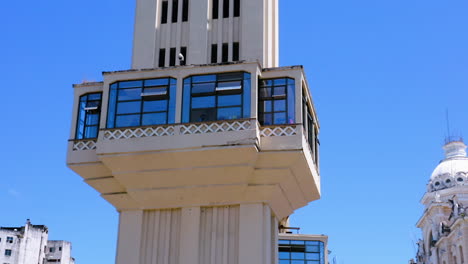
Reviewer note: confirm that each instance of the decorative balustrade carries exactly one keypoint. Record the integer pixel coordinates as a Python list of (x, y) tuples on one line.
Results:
[(139, 132), (84, 145), (278, 131), (188, 129)]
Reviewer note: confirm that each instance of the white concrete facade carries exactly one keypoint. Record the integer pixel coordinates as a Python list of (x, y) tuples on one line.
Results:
[(444, 224), (29, 244), (229, 150), (255, 30)]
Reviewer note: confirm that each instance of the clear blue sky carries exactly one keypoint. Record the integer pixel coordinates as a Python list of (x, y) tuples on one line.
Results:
[(382, 74)]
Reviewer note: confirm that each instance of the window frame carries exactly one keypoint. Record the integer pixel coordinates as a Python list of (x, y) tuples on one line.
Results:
[(218, 92), (169, 96), (93, 110), (8, 252), (288, 97)]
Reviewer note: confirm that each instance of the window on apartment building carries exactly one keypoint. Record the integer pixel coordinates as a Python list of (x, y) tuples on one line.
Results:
[(235, 51), (162, 57), (185, 10), (225, 53), (297, 251), (236, 8), (7, 252), (51, 249), (214, 97), (215, 10), (175, 11), (225, 8), (142, 103), (214, 53), (89, 114), (276, 101), (164, 11), (60, 248), (9, 239)]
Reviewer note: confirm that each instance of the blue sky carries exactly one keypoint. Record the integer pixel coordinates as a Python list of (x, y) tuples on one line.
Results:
[(382, 74)]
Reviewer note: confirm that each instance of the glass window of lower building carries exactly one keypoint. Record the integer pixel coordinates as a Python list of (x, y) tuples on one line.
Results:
[(142, 103), (89, 114), (301, 252), (224, 96), (276, 101)]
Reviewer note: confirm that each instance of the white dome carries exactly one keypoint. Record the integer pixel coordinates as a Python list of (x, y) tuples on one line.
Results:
[(451, 171)]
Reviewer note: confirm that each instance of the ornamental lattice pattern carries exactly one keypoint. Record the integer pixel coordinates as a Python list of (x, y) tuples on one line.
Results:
[(280, 131), (84, 145), (139, 132), (214, 127)]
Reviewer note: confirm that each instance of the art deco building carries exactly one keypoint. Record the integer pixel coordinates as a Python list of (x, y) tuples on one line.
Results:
[(444, 223), (205, 144)]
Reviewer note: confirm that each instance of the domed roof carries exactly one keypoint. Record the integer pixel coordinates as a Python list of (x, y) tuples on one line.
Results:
[(453, 170)]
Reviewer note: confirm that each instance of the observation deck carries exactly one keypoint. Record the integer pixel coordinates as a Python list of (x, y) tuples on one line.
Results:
[(209, 135)]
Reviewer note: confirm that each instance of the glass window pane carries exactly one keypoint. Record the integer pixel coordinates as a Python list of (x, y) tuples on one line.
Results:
[(312, 256), (267, 119), (204, 78), (279, 118), (229, 100), (297, 261), (111, 108), (154, 119), (313, 262), (284, 255), (279, 91), (172, 102), (203, 115), (203, 102), (229, 113), (92, 119), (235, 85), (283, 242), (91, 132), (297, 255), (155, 91), (281, 81), (265, 93), (130, 84), (312, 242), (155, 106), (129, 107), (94, 96), (265, 83), (130, 94), (284, 261), (231, 76), (291, 103), (247, 96), (312, 248), (185, 102), (267, 106), (156, 82), (280, 105), (203, 88), (127, 121)]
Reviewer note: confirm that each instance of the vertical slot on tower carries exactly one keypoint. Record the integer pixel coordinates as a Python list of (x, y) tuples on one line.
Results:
[(162, 57), (164, 10), (215, 11), (226, 8), (183, 51), (172, 58), (236, 8), (214, 53), (235, 51), (185, 10), (175, 10), (225, 53)]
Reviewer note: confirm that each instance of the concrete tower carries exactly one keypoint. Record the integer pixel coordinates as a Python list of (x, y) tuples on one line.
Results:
[(444, 223), (205, 144)]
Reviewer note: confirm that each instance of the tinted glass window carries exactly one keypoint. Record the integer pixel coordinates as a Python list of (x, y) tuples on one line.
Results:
[(276, 101), (89, 113)]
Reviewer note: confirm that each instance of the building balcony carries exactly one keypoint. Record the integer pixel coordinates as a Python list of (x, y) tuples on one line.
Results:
[(263, 156)]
